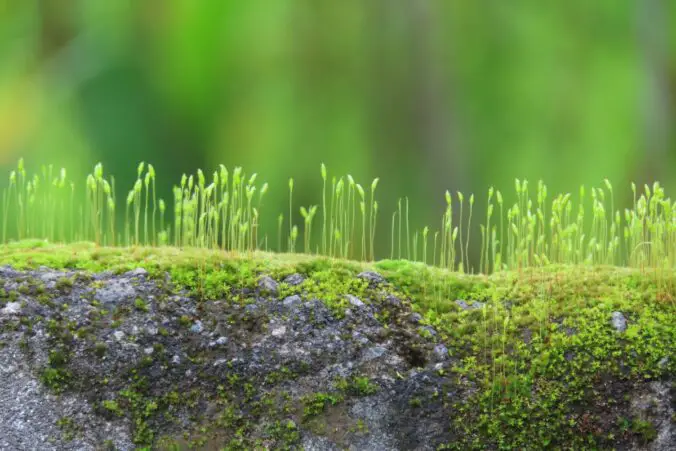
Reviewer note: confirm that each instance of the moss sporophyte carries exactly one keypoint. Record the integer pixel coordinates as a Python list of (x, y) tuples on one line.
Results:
[(226, 213)]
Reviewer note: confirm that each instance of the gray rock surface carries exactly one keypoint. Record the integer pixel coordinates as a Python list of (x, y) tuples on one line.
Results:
[(618, 321), (177, 344), (294, 279), (250, 361), (268, 284)]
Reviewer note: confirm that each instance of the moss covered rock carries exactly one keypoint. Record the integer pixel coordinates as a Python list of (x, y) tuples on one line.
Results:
[(168, 349)]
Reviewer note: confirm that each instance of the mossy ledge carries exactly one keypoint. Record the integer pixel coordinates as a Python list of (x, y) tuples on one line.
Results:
[(160, 348)]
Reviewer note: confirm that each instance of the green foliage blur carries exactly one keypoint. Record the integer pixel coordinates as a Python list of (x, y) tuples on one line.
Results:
[(427, 95)]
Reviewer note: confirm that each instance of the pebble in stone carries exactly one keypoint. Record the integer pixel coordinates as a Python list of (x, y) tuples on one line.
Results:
[(354, 300), (372, 277), (268, 284), (440, 352), (427, 330), (465, 306), (12, 308), (279, 331), (373, 353), (221, 341), (393, 300), (138, 272), (176, 359), (618, 321), (197, 327), (294, 279), (119, 335), (292, 300), (414, 318), (148, 351)]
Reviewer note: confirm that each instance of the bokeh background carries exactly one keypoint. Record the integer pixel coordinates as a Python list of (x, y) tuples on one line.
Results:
[(427, 95)]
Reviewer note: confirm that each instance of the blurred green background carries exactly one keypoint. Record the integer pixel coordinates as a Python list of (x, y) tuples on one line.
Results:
[(427, 95)]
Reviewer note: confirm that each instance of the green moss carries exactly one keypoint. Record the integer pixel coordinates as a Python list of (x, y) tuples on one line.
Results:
[(315, 404), (69, 428), (141, 305), (356, 386), (644, 429), (64, 284), (113, 407)]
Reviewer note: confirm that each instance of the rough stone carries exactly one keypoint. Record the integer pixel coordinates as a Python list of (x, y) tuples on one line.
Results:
[(441, 352), (472, 306), (197, 327), (300, 346), (292, 300), (414, 318), (619, 322), (373, 277), (268, 285), (294, 279), (11, 309), (354, 300)]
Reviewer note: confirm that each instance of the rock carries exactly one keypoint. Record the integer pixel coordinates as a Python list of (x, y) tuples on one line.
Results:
[(654, 406), (372, 277), (151, 330), (268, 285), (465, 306), (138, 272), (354, 300), (114, 292), (440, 352), (11, 309), (619, 322), (294, 279), (414, 318), (197, 327), (373, 353), (392, 300), (427, 331), (397, 390), (278, 331), (292, 300)]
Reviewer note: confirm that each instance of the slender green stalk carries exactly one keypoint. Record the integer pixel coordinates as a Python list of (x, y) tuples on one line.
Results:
[(291, 240), (461, 199), (323, 171), (374, 209), (408, 234)]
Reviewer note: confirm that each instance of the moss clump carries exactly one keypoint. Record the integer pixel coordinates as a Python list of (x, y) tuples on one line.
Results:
[(141, 305), (56, 376), (356, 386), (315, 404)]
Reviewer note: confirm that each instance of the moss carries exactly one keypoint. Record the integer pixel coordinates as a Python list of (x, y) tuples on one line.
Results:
[(64, 284), (141, 305), (356, 386), (551, 390), (315, 403), (113, 407), (644, 429), (69, 428)]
